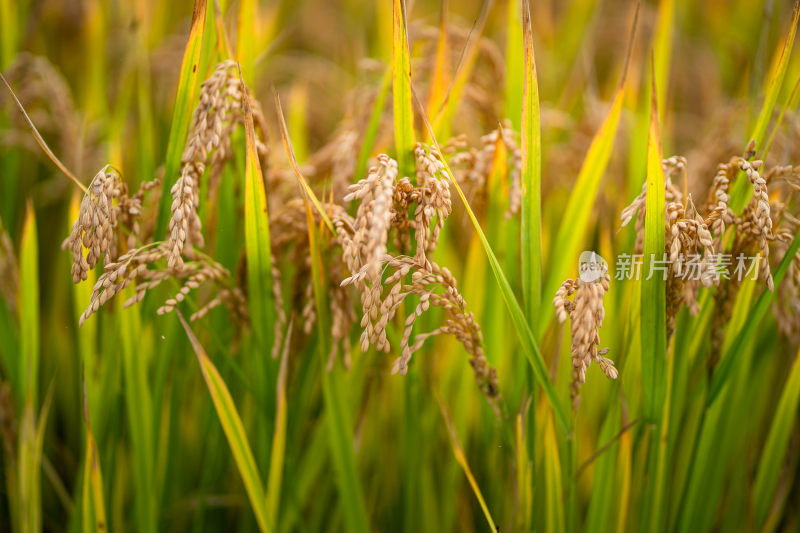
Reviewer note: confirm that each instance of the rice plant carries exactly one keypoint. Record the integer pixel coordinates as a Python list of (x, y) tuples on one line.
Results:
[(399, 266)]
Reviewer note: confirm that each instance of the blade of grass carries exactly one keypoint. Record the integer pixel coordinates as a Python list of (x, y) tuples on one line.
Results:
[(233, 429), (93, 508), (287, 145), (601, 502), (740, 189), (790, 103), (371, 133), (528, 342), (623, 474), (682, 454), (655, 504), (662, 53), (462, 461), (139, 410), (469, 56), (95, 37), (279, 436), (776, 81), (516, 69), (27, 378), (246, 37), (653, 317), (9, 34), (554, 501), (524, 477), (182, 113), (144, 105), (440, 78), (736, 350), (223, 42), (31, 443), (298, 119), (261, 299), (774, 453), (719, 439), (257, 241), (577, 214), (531, 230), (401, 91), (39, 139), (337, 416)]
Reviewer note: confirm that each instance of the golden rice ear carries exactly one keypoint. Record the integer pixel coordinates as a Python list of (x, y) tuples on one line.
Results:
[(219, 110), (586, 313)]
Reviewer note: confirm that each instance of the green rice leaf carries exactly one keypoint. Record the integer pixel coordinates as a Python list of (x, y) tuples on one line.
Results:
[(776, 82), (142, 423), (531, 228), (653, 514), (336, 412), (653, 317), (234, 431), (371, 133), (554, 501), (94, 511), (623, 475), (287, 145), (603, 497), (246, 38), (790, 103), (9, 31), (516, 69), (223, 42), (182, 113), (577, 214), (401, 91), (31, 443), (529, 346), (524, 475), (279, 437), (736, 349), (662, 51), (740, 189), (257, 241), (440, 78), (27, 364), (443, 116), (774, 453)]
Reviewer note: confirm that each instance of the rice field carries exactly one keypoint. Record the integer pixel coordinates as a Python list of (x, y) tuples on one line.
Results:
[(512, 265)]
